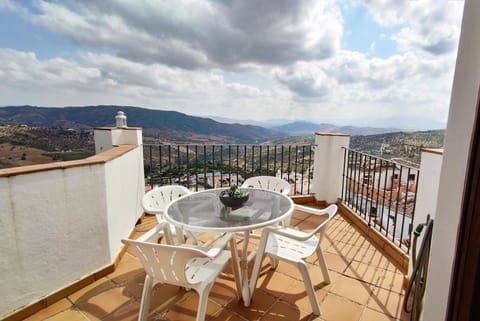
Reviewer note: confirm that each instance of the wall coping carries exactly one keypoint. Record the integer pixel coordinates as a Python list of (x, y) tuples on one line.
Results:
[(101, 158), (332, 134), (438, 151), (122, 128)]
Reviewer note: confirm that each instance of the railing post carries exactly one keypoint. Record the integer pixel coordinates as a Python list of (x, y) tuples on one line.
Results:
[(328, 166)]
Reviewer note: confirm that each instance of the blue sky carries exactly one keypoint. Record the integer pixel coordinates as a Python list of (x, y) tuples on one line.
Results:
[(383, 63)]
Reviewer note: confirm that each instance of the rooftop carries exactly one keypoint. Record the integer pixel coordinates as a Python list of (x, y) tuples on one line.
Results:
[(366, 286)]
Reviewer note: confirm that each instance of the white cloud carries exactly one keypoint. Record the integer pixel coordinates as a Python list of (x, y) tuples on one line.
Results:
[(179, 55), (430, 26), (201, 34)]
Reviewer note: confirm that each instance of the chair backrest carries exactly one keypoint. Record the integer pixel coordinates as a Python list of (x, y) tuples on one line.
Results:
[(270, 183), (156, 200), (170, 264)]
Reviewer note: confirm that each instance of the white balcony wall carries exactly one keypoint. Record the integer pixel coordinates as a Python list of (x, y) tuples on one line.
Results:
[(328, 166), (60, 224), (125, 188), (461, 119), (427, 190)]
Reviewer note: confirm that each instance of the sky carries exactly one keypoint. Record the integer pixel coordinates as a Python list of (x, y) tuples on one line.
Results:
[(381, 63)]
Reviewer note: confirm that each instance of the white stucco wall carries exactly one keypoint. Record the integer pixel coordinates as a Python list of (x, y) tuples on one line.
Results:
[(107, 137), (328, 166), (457, 143), (125, 181), (427, 190), (58, 226)]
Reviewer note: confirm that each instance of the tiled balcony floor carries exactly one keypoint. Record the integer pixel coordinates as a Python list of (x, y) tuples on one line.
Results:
[(365, 286)]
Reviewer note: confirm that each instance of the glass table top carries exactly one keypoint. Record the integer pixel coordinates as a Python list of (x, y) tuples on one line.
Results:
[(204, 211)]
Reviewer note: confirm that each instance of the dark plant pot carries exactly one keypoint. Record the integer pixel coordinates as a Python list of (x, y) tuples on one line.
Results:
[(233, 201)]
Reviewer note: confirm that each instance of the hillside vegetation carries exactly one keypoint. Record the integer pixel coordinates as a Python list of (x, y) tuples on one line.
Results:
[(34, 135), (406, 145)]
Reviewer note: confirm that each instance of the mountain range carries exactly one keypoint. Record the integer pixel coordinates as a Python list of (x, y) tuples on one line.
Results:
[(155, 123), (169, 125)]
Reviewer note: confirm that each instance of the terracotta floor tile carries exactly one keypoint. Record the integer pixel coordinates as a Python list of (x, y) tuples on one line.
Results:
[(51, 310), (282, 311), (285, 268), (299, 215), (372, 315), (224, 290), (127, 313), (317, 277), (134, 285), (128, 267), (70, 315), (187, 310), (297, 296), (91, 290), (391, 281), (387, 302), (365, 272), (335, 308), (353, 238), (226, 315), (336, 262), (165, 296), (306, 226), (276, 284), (343, 249), (261, 302), (352, 289), (374, 257), (326, 242), (103, 304)]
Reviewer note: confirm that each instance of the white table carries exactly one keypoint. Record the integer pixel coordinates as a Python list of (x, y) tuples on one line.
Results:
[(203, 211)]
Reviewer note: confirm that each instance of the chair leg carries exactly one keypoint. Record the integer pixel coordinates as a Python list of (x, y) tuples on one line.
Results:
[(323, 265), (273, 262), (309, 287), (145, 302), (203, 301), (258, 263), (236, 266)]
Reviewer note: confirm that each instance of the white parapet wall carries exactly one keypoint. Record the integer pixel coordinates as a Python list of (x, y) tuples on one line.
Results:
[(61, 222), (328, 165), (427, 190)]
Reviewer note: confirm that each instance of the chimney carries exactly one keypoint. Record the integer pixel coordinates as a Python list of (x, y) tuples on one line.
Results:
[(121, 120)]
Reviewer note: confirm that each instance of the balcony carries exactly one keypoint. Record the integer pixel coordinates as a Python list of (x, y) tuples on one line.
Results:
[(366, 285), (66, 260)]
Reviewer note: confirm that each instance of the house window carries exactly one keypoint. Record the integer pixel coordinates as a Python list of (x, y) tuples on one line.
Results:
[(411, 177)]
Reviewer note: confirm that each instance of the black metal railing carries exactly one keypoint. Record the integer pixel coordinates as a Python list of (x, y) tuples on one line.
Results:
[(208, 166), (382, 192)]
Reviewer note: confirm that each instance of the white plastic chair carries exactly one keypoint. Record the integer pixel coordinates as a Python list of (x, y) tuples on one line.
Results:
[(156, 200), (270, 183), (182, 265), (294, 246)]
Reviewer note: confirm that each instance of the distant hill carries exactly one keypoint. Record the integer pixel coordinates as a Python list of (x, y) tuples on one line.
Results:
[(169, 125), (302, 128), (403, 145)]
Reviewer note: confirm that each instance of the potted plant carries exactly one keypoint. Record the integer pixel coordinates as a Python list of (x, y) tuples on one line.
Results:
[(234, 196)]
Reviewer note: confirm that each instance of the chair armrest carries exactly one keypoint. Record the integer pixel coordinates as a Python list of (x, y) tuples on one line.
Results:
[(154, 231), (287, 232), (329, 210), (219, 245)]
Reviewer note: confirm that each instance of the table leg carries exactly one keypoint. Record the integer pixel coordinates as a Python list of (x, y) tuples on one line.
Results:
[(246, 296)]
